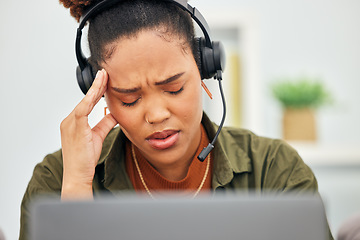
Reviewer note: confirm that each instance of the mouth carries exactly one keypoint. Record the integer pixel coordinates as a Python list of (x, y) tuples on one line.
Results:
[(164, 139)]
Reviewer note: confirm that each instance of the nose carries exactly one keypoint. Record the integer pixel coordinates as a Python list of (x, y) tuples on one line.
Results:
[(157, 111)]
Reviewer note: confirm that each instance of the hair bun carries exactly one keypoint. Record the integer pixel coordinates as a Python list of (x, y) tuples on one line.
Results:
[(77, 7)]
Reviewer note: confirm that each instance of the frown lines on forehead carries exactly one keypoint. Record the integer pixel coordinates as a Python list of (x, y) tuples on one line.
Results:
[(161, 82)]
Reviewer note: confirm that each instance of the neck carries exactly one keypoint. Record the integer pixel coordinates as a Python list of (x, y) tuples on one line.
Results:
[(175, 173)]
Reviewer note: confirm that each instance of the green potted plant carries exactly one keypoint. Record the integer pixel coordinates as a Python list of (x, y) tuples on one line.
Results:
[(300, 97)]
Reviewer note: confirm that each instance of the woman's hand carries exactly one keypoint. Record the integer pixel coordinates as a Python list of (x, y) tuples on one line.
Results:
[(81, 145)]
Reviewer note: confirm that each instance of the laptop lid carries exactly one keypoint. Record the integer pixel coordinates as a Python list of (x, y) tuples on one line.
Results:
[(224, 217)]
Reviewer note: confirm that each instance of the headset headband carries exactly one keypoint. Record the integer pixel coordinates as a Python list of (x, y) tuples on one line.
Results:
[(194, 13)]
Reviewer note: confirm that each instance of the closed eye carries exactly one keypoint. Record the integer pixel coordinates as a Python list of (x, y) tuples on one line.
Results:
[(130, 104), (176, 92)]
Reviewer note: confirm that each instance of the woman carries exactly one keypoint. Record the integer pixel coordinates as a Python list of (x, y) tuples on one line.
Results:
[(147, 61)]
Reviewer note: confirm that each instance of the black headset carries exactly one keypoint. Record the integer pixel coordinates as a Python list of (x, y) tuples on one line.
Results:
[(212, 55)]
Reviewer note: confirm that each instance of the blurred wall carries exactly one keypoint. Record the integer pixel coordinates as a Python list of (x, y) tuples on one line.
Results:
[(302, 38), (39, 89)]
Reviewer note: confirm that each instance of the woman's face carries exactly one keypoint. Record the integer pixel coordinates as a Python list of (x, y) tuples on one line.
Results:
[(154, 92)]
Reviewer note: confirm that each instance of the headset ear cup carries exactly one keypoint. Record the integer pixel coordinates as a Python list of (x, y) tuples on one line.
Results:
[(85, 78), (219, 56), (212, 59), (207, 60), (197, 55)]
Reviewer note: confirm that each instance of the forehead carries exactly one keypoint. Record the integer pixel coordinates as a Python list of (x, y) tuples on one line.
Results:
[(148, 55)]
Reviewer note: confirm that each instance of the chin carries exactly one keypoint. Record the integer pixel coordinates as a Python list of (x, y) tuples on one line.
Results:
[(169, 156)]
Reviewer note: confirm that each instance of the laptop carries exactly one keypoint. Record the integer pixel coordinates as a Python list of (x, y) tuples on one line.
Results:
[(206, 218)]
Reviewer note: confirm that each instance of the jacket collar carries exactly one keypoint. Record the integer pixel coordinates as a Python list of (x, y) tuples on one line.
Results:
[(112, 160), (229, 157)]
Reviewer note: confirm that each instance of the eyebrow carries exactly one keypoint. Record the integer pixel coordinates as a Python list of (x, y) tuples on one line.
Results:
[(125, 90), (132, 90), (170, 79)]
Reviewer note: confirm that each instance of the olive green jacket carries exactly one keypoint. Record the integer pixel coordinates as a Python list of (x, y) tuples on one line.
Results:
[(242, 161)]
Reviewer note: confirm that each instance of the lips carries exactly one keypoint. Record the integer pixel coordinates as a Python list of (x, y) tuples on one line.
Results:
[(164, 139)]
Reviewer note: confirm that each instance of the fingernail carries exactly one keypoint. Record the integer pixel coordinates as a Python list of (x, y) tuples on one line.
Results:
[(98, 73)]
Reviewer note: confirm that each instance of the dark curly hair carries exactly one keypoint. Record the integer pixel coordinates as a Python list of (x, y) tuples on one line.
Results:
[(126, 19)]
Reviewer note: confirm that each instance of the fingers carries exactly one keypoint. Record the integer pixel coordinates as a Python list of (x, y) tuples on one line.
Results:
[(81, 145), (104, 126), (100, 85), (93, 96)]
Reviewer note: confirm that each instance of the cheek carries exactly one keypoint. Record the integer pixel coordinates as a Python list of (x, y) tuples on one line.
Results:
[(190, 106), (123, 115)]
